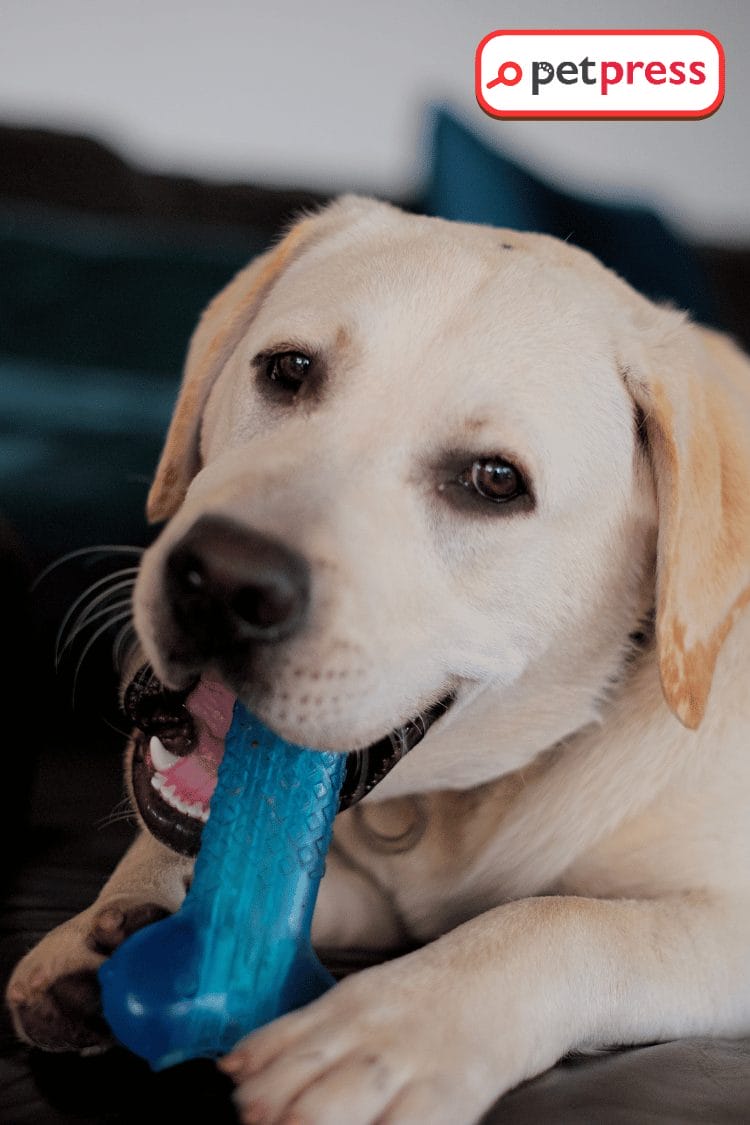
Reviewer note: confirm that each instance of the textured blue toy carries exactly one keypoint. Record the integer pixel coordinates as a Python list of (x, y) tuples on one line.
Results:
[(238, 953)]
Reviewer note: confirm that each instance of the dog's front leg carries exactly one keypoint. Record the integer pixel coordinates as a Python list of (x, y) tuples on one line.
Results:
[(441, 1033), (53, 994)]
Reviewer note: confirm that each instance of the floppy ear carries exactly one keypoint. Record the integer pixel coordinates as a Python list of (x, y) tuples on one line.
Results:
[(219, 330), (695, 397)]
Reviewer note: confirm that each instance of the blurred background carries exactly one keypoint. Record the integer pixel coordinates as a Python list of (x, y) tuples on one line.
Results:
[(331, 94), (147, 151)]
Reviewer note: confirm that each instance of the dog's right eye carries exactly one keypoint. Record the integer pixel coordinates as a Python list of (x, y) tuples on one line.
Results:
[(287, 370)]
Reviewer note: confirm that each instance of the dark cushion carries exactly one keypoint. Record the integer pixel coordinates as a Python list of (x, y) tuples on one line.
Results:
[(105, 291)]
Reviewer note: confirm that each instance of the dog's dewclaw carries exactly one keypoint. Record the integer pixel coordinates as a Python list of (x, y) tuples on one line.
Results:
[(237, 954)]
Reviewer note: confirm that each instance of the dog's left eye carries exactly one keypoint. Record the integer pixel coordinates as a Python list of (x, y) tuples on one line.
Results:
[(287, 370), (493, 479)]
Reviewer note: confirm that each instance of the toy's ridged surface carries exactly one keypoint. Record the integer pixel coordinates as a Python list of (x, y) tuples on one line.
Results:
[(238, 952)]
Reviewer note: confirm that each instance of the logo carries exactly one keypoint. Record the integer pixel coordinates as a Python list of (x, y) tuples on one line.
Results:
[(614, 74)]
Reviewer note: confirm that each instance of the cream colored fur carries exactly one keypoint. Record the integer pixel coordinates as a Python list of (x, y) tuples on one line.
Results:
[(579, 845)]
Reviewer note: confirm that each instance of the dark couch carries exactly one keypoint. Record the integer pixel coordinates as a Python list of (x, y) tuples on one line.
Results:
[(104, 270)]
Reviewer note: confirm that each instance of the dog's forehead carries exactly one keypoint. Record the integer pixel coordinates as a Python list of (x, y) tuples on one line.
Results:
[(416, 300), (425, 273)]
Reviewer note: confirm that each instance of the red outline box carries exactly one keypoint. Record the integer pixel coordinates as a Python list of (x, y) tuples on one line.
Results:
[(596, 115)]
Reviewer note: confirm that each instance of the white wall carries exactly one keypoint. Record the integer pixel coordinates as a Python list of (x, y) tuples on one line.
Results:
[(328, 92)]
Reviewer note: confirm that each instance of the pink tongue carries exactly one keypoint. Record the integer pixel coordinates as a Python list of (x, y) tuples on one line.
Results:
[(194, 776), (212, 705)]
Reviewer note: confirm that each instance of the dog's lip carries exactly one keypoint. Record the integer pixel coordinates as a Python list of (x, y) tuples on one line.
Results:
[(189, 729), (179, 832), (366, 768)]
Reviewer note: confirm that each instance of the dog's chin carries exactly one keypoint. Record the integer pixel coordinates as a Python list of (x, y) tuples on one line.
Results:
[(179, 742)]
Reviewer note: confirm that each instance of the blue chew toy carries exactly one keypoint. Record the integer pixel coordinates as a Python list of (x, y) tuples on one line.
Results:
[(237, 954)]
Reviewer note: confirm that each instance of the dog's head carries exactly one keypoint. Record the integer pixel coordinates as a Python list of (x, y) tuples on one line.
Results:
[(416, 462)]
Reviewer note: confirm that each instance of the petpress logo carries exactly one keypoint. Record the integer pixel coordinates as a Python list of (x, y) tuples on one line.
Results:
[(599, 74)]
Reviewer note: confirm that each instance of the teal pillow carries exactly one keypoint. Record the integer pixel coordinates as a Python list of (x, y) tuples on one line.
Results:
[(109, 292), (471, 182), (78, 447), (95, 315)]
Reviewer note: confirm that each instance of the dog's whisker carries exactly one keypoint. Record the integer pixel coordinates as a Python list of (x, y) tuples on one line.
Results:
[(94, 612), (108, 579), (122, 805), (124, 638), (109, 819), (104, 549), (117, 816), (115, 601), (123, 810), (107, 822), (142, 676), (115, 728), (80, 601), (92, 641)]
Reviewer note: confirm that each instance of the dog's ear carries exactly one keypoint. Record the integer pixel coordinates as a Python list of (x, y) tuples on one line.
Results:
[(219, 330), (693, 389)]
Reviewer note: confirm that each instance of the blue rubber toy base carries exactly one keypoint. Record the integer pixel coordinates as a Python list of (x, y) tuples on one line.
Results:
[(237, 954)]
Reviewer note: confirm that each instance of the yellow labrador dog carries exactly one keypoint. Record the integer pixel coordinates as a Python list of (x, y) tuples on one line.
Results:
[(426, 478)]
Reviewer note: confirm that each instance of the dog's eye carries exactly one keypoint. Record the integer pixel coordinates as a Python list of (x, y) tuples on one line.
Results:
[(287, 370), (494, 480)]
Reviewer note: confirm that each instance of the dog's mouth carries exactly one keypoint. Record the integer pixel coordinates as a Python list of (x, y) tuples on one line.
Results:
[(179, 744)]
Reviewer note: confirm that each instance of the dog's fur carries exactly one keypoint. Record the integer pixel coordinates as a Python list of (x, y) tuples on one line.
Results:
[(572, 838)]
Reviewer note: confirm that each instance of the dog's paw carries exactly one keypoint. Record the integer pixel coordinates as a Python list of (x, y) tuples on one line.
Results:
[(391, 1046), (53, 994)]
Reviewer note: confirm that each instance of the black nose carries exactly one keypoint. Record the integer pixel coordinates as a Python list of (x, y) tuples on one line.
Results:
[(228, 586)]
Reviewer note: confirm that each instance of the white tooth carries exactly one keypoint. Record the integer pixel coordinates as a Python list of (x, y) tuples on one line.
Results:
[(160, 756), (157, 780), (168, 792), (195, 810), (204, 815), (180, 805)]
